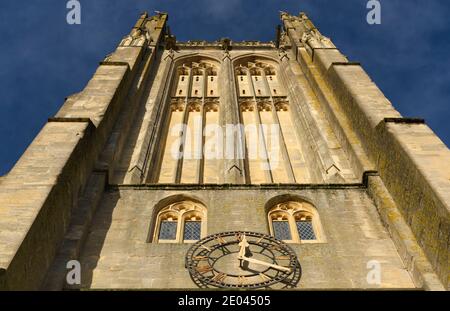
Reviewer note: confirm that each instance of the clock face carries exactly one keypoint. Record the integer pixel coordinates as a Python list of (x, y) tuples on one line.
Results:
[(243, 260)]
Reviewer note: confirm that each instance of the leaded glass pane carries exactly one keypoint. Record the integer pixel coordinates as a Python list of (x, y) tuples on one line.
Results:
[(192, 230), (281, 230), (168, 230), (305, 230)]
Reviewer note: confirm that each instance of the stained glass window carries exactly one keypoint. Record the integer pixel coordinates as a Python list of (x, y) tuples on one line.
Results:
[(305, 230), (168, 230), (281, 230), (192, 230)]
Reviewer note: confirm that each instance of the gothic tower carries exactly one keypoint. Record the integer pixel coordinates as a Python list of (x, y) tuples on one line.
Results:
[(174, 142)]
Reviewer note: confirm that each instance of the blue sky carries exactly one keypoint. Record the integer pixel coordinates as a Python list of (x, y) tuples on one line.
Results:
[(43, 59)]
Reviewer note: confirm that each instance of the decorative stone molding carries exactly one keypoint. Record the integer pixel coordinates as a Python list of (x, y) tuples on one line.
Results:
[(202, 44), (315, 39)]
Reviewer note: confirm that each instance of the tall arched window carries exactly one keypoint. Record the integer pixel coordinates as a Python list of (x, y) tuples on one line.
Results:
[(295, 222), (196, 83), (181, 222)]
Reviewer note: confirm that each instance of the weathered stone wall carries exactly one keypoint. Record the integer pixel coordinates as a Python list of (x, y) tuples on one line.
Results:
[(414, 164), (117, 254), (411, 160), (36, 200), (47, 184)]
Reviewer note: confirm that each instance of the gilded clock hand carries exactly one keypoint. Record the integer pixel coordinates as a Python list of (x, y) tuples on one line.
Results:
[(243, 244), (263, 263)]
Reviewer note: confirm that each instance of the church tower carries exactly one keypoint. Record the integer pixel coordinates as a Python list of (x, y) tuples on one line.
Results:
[(228, 164)]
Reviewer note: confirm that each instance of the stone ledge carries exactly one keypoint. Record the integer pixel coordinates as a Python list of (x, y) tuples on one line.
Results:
[(346, 64), (111, 63), (71, 120), (405, 120)]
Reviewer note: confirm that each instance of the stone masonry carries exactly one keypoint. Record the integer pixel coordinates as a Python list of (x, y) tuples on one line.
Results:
[(87, 188)]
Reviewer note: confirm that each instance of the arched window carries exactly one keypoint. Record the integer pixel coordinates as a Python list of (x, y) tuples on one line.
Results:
[(181, 222), (201, 79), (295, 222)]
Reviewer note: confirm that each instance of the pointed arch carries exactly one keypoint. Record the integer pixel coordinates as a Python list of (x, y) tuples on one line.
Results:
[(178, 219), (294, 220)]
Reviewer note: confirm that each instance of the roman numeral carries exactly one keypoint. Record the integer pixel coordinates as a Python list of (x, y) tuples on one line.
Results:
[(274, 247), (242, 280), (204, 269), (220, 240), (200, 258), (205, 247), (220, 277), (282, 258), (264, 277)]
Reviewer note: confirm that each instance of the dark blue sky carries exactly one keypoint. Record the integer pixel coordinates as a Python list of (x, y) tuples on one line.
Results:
[(43, 59)]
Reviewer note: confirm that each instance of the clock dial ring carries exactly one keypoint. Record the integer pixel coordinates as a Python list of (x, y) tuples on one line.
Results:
[(208, 262)]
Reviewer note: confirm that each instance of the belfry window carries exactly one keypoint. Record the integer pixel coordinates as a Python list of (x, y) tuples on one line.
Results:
[(305, 229), (295, 222), (180, 222), (281, 230), (192, 230), (184, 158), (168, 230)]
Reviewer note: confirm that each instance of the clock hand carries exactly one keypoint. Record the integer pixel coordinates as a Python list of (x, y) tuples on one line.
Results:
[(263, 263), (243, 244)]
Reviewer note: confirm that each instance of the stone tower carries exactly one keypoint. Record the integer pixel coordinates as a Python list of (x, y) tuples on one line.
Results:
[(301, 145)]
